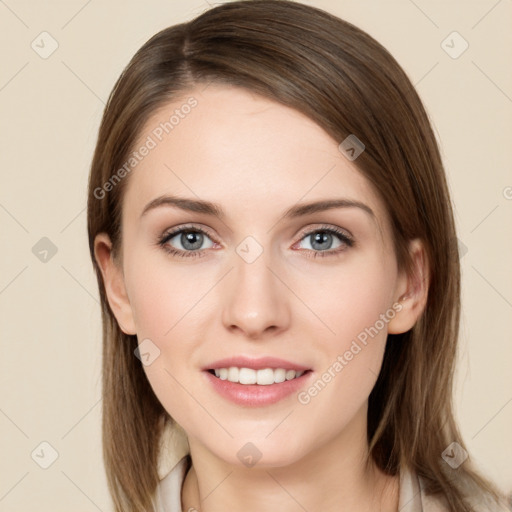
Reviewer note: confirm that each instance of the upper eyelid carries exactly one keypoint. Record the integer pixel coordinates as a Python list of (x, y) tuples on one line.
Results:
[(326, 227), (170, 233)]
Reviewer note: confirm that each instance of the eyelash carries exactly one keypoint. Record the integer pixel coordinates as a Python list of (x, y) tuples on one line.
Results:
[(165, 237)]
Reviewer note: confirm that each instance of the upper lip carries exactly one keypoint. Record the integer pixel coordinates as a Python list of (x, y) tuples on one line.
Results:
[(255, 363)]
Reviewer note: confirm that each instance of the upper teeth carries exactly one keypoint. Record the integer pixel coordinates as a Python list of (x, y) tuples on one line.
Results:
[(249, 376)]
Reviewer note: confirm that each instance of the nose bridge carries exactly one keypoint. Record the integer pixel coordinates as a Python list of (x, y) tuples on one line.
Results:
[(256, 300)]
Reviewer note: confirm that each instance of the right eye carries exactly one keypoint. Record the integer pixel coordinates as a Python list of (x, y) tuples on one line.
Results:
[(191, 240)]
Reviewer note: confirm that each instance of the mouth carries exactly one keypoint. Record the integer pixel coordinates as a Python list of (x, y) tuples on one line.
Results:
[(261, 377), (256, 382)]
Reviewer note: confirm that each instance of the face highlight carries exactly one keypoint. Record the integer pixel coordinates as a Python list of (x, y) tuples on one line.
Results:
[(247, 233)]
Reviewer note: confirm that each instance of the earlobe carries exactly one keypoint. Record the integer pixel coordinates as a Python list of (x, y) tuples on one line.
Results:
[(412, 294), (113, 280)]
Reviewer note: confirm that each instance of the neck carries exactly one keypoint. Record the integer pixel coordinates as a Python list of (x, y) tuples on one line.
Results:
[(331, 477)]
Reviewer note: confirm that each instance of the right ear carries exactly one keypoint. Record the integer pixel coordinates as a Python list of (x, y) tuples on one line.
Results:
[(113, 280)]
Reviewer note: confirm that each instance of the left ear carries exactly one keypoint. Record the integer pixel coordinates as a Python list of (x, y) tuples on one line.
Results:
[(412, 290)]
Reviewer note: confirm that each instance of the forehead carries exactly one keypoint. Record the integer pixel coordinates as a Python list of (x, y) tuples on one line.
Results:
[(228, 145)]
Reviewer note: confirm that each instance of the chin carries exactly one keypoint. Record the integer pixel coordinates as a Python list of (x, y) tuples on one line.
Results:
[(252, 452)]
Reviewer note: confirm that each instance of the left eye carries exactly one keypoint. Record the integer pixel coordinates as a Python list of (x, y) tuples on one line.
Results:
[(190, 239), (322, 240)]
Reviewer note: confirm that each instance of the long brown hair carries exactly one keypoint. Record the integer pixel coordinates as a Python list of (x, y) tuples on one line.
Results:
[(345, 81)]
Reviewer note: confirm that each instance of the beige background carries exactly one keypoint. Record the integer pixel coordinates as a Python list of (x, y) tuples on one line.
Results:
[(50, 317)]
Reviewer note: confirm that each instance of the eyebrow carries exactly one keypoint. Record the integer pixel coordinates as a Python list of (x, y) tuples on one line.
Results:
[(209, 208)]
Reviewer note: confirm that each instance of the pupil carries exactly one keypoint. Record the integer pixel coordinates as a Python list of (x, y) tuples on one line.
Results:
[(320, 238), (193, 238)]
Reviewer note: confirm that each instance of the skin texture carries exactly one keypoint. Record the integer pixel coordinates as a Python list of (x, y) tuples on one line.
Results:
[(256, 158)]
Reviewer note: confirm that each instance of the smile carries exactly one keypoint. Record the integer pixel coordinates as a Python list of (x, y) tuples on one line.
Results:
[(256, 388), (263, 377)]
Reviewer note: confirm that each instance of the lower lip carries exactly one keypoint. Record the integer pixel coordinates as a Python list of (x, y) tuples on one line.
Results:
[(255, 395)]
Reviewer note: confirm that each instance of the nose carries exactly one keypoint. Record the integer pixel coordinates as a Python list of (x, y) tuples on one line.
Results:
[(257, 303)]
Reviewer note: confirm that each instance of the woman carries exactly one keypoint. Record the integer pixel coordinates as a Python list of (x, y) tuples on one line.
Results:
[(305, 340)]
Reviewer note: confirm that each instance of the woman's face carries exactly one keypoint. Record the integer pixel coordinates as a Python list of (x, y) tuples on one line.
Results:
[(316, 288)]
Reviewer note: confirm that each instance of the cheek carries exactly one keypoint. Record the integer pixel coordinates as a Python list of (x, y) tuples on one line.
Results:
[(168, 302), (354, 298), (164, 296), (161, 304), (357, 308)]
